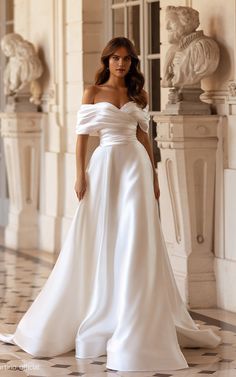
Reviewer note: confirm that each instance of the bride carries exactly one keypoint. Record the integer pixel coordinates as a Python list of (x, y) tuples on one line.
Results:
[(112, 290)]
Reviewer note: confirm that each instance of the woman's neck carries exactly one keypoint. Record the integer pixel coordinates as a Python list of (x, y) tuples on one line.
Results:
[(116, 82)]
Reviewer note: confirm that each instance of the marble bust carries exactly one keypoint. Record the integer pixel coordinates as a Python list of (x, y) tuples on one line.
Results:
[(23, 67), (192, 55)]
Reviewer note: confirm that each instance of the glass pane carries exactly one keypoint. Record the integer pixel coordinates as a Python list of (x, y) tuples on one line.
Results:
[(154, 28), (154, 84), (9, 10), (118, 22), (133, 20)]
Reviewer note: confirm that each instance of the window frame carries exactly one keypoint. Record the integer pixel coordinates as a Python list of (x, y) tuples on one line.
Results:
[(144, 56)]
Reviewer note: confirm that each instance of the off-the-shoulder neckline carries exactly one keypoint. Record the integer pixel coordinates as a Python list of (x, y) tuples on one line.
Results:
[(109, 103)]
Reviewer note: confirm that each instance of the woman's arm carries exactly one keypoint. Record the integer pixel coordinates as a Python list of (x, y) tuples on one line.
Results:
[(81, 150), (144, 139)]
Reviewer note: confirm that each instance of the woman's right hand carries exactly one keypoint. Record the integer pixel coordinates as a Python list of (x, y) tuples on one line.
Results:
[(81, 186)]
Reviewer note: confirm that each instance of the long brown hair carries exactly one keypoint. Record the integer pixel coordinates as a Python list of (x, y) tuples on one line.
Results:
[(134, 79)]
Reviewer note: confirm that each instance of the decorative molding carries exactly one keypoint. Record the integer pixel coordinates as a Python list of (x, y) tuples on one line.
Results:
[(21, 138), (56, 91), (187, 170), (170, 180), (27, 124), (200, 186), (232, 89)]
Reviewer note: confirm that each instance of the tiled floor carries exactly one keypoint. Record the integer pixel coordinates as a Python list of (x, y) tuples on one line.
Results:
[(22, 275)]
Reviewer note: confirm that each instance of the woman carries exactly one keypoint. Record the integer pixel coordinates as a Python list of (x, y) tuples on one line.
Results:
[(112, 290)]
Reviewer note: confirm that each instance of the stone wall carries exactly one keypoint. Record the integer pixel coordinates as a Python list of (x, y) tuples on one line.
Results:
[(219, 22), (57, 28)]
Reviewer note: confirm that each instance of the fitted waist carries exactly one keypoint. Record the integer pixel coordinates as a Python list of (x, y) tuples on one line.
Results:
[(115, 139)]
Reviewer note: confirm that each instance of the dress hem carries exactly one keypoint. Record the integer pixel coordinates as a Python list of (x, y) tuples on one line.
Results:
[(134, 363)]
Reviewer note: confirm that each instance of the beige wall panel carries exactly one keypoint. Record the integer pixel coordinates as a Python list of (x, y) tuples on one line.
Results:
[(70, 132), (52, 134), (74, 70), (92, 62), (92, 37), (218, 21), (226, 282), (50, 186), (231, 142), (74, 93), (21, 19), (93, 11), (73, 10), (230, 214), (73, 37), (71, 201)]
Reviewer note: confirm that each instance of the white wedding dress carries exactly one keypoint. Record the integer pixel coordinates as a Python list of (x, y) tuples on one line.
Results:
[(112, 290)]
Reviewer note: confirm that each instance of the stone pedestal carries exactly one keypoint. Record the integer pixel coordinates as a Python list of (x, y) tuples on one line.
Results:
[(20, 103), (21, 137), (187, 182), (186, 101)]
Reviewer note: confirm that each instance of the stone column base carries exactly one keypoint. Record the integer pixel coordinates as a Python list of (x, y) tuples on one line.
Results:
[(187, 184), (21, 134)]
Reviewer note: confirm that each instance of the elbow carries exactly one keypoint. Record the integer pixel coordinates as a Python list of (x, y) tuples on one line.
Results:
[(143, 139), (82, 139), (82, 136)]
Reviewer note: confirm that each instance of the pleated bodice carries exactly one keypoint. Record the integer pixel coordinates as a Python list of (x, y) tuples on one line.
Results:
[(113, 125)]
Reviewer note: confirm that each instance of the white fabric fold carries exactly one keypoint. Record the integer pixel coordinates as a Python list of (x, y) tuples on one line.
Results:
[(112, 290), (92, 118)]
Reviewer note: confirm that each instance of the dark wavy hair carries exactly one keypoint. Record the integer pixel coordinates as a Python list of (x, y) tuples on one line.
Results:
[(134, 79)]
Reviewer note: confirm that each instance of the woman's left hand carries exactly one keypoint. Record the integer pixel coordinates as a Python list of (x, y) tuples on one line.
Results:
[(156, 185)]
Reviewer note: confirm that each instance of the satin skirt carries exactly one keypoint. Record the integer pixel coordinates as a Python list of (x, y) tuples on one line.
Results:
[(112, 290)]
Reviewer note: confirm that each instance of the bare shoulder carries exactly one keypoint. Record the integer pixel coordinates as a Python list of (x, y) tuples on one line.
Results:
[(89, 94)]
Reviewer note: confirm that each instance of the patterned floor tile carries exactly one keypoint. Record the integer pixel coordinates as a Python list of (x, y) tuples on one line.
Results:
[(22, 278), (224, 373), (12, 373), (136, 374)]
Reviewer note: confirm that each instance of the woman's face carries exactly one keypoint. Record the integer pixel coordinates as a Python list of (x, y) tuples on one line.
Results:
[(120, 62)]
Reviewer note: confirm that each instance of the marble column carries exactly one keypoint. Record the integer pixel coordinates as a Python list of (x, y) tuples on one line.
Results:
[(21, 134), (188, 146)]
